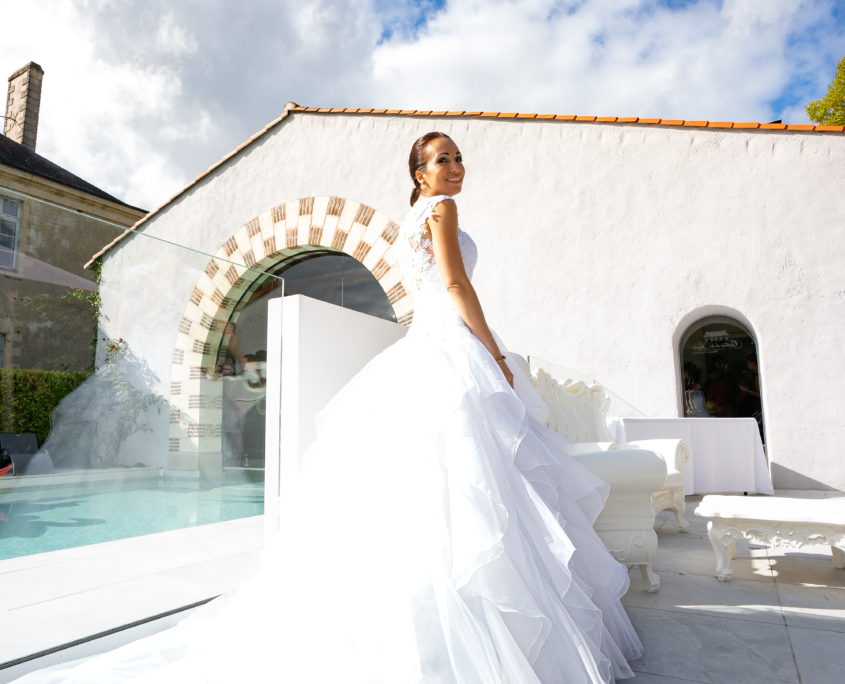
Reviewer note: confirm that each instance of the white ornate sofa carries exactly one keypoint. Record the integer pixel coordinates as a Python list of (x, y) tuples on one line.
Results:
[(579, 412), (626, 524)]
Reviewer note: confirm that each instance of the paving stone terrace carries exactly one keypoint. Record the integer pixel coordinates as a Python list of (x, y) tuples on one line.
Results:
[(780, 621)]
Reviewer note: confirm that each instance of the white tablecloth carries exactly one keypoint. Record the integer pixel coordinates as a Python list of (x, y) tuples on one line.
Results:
[(726, 454)]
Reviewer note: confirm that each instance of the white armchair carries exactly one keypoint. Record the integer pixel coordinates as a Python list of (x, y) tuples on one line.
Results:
[(626, 524), (579, 412)]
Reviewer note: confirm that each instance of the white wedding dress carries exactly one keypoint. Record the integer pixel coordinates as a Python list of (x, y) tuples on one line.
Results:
[(439, 534)]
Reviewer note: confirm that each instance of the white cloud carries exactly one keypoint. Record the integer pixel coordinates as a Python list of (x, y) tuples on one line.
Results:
[(91, 107), (706, 60), (172, 39), (141, 95)]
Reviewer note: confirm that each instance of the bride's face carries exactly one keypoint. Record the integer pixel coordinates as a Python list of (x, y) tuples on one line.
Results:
[(444, 173)]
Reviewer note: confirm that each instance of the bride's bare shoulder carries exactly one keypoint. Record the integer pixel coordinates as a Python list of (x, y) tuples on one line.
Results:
[(445, 212)]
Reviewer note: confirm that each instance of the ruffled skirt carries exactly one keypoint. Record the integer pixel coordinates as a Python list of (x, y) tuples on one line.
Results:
[(439, 534)]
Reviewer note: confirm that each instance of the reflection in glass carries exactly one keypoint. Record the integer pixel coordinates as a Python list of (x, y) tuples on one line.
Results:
[(142, 397), (86, 416), (241, 358)]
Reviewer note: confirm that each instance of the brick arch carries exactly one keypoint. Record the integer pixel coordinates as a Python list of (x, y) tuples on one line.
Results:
[(287, 230)]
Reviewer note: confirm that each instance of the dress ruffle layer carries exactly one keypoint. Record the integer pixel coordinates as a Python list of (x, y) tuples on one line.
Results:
[(440, 533)]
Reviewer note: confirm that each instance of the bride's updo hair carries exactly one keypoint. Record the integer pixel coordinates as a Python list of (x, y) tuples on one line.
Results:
[(419, 159)]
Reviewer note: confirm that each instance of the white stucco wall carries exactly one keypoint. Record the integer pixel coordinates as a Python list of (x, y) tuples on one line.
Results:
[(598, 244)]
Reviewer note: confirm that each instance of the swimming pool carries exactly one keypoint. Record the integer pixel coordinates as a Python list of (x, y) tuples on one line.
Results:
[(40, 519)]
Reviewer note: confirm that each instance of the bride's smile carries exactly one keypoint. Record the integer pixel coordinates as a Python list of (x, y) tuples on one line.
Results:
[(444, 173)]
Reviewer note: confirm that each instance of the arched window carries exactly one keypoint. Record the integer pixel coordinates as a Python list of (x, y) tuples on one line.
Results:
[(720, 371)]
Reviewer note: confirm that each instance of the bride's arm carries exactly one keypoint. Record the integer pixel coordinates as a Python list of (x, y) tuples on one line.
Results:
[(443, 226)]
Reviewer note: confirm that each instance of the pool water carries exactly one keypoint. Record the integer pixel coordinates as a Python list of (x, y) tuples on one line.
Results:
[(43, 519)]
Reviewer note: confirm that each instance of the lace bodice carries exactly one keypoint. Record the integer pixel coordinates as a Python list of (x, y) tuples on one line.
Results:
[(416, 258)]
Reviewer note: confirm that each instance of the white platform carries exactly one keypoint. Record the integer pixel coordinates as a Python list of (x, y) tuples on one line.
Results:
[(54, 598)]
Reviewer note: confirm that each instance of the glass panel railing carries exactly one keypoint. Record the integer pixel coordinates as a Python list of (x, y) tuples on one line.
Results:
[(619, 408), (132, 392)]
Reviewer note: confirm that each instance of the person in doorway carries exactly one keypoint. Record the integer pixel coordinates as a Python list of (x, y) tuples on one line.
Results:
[(692, 377), (439, 532), (719, 390)]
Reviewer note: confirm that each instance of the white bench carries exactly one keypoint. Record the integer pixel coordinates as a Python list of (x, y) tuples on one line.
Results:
[(776, 521)]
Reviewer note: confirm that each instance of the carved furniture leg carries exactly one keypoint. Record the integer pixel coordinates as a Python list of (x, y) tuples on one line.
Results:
[(680, 507), (651, 582), (838, 557), (723, 554)]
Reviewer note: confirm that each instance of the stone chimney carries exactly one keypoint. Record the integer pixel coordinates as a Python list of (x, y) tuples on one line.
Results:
[(23, 104)]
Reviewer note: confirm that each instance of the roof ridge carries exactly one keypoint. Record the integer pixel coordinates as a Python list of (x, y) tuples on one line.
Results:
[(572, 117)]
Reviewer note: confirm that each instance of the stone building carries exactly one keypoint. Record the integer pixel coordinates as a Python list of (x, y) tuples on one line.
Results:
[(50, 222), (624, 248)]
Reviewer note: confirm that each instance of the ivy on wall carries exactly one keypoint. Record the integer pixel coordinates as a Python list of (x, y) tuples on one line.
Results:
[(28, 397), (91, 302)]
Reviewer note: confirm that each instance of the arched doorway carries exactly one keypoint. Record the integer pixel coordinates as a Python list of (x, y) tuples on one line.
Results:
[(295, 235), (328, 275), (720, 370)]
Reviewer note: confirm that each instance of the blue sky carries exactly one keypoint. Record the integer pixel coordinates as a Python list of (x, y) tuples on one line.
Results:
[(142, 95)]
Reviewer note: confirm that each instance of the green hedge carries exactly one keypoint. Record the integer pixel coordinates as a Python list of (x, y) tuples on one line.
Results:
[(27, 397)]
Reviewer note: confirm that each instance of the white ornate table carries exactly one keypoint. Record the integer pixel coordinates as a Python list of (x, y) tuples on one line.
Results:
[(779, 521), (726, 454)]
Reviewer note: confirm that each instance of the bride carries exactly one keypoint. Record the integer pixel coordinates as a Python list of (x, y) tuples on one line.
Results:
[(439, 532)]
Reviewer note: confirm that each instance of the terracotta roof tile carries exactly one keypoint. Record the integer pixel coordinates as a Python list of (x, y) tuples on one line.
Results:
[(290, 107)]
